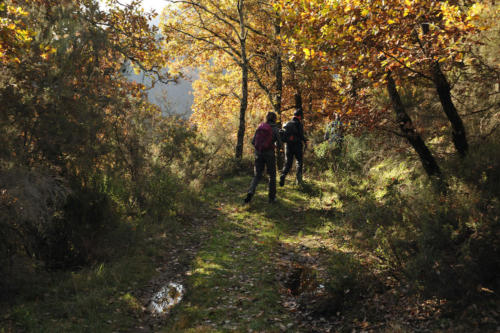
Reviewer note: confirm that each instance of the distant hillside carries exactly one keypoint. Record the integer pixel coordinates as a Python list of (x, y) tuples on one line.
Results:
[(172, 98)]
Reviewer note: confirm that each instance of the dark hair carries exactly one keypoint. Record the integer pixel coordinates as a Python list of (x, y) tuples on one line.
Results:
[(298, 113), (271, 117)]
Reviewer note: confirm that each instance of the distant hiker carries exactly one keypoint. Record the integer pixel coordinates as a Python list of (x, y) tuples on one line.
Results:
[(335, 131), (293, 135), (335, 135), (264, 140)]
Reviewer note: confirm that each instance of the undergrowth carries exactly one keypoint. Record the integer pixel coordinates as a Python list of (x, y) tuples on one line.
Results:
[(440, 244)]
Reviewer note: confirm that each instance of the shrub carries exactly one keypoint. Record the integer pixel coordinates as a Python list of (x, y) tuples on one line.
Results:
[(74, 239), (346, 281), (166, 195), (30, 200), (351, 155), (445, 245), (50, 222)]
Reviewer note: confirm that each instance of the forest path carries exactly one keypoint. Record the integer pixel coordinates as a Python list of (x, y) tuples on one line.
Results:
[(262, 263), (302, 264)]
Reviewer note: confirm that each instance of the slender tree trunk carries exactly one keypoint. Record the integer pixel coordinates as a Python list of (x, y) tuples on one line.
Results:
[(296, 85), (443, 89), (409, 132), (278, 71), (243, 109), (244, 83), (298, 99), (444, 92), (278, 68)]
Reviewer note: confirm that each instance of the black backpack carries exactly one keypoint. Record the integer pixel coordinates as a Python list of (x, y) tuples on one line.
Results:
[(290, 132)]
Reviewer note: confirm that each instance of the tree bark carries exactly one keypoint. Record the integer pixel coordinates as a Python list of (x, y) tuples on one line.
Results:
[(409, 132), (443, 89), (459, 137), (243, 109), (244, 83), (296, 85), (278, 69), (298, 99)]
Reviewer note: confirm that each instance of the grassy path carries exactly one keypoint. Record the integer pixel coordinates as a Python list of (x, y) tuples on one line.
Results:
[(239, 278), (300, 265), (304, 264), (237, 260)]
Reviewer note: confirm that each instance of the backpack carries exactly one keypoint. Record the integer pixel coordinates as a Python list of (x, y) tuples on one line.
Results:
[(263, 137), (289, 133)]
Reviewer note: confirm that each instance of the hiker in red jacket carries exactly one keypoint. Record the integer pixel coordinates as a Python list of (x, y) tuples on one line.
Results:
[(265, 139)]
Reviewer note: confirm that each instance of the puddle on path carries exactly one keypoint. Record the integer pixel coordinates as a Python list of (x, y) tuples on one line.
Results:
[(165, 299)]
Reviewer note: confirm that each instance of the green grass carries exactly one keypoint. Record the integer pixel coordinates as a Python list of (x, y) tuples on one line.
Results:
[(368, 234), (232, 283), (364, 237), (95, 299)]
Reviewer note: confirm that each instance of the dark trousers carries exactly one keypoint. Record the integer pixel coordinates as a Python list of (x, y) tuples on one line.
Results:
[(264, 160), (291, 151)]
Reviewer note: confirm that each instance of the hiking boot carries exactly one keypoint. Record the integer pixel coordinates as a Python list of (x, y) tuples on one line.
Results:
[(282, 180), (248, 198)]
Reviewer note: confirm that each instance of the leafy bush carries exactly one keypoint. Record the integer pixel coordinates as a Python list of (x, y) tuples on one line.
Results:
[(41, 215), (351, 155), (74, 239), (444, 244), (441, 243), (347, 279), (30, 200), (167, 196)]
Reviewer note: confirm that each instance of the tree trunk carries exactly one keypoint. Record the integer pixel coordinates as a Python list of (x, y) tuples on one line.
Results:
[(243, 109), (444, 92), (298, 99), (443, 89), (244, 84), (296, 85), (409, 132), (278, 71)]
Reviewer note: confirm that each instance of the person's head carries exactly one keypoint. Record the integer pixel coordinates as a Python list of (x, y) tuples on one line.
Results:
[(271, 117), (298, 114)]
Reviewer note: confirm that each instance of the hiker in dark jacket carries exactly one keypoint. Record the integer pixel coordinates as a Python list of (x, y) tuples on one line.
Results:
[(265, 157), (294, 146)]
